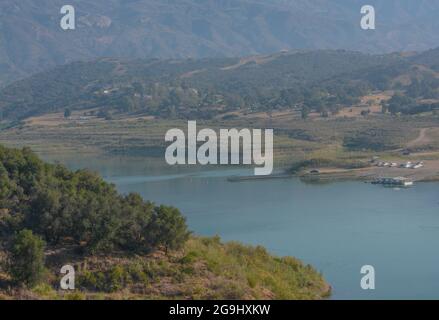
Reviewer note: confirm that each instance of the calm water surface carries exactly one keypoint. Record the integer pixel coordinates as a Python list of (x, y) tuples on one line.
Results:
[(336, 227)]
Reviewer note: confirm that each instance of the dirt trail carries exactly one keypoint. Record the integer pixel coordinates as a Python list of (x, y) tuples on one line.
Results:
[(422, 139)]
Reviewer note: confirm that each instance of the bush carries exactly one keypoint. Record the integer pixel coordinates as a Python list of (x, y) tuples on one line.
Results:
[(27, 258), (67, 113), (116, 279), (95, 281), (168, 228)]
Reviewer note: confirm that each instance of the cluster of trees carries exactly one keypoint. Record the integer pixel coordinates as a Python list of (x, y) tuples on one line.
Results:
[(60, 207), (180, 100), (404, 104), (211, 94), (425, 88), (408, 99), (165, 100)]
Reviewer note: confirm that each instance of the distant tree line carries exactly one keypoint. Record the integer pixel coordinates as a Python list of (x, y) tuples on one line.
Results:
[(404, 104)]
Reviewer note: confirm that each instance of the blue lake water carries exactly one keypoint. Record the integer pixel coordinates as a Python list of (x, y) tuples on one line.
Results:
[(337, 227)]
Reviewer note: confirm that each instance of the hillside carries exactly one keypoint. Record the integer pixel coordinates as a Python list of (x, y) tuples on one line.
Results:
[(164, 86), (204, 269), (324, 81), (122, 246), (31, 40)]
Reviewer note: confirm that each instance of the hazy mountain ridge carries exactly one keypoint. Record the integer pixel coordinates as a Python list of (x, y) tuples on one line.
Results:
[(31, 39)]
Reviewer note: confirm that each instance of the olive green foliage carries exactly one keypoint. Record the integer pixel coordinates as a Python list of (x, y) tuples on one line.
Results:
[(168, 228), (26, 264), (79, 207)]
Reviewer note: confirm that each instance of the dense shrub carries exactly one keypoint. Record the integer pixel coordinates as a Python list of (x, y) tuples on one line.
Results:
[(168, 228), (26, 264), (63, 206)]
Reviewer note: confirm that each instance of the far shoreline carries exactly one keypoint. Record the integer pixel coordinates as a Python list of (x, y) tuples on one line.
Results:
[(429, 173)]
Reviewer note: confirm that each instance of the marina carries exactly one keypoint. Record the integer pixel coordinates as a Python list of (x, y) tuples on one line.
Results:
[(397, 181)]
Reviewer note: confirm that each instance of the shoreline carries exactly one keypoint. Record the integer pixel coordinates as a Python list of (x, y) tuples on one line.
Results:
[(371, 173), (368, 174), (430, 173)]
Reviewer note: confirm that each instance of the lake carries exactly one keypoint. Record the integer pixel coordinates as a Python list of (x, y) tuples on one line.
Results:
[(337, 227)]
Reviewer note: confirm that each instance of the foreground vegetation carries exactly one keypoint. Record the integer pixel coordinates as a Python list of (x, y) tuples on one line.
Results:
[(204, 268), (121, 246), (65, 207)]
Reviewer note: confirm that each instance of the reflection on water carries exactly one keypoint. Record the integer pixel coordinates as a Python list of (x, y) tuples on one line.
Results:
[(336, 227)]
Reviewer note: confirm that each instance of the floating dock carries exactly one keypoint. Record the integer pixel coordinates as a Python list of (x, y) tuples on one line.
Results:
[(398, 182)]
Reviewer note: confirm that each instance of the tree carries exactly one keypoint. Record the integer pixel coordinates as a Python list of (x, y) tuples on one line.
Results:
[(168, 228), (67, 113), (105, 114), (26, 264), (305, 112), (324, 113), (399, 102), (365, 113)]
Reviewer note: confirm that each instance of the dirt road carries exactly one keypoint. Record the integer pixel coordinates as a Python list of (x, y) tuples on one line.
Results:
[(422, 139)]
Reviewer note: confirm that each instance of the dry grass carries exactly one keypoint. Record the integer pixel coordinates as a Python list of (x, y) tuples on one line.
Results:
[(204, 269)]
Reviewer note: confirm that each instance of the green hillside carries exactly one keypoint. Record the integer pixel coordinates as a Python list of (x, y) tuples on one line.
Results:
[(187, 88), (321, 81), (122, 246)]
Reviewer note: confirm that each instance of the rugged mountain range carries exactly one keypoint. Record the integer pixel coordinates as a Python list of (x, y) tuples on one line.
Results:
[(31, 39)]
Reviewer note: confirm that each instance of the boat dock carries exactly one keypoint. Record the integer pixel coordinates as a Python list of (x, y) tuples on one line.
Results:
[(397, 181)]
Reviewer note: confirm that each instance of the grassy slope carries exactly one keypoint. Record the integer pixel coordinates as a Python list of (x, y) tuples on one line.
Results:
[(204, 269), (295, 140)]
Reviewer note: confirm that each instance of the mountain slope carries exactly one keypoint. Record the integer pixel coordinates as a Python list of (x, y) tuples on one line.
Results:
[(31, 39)]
